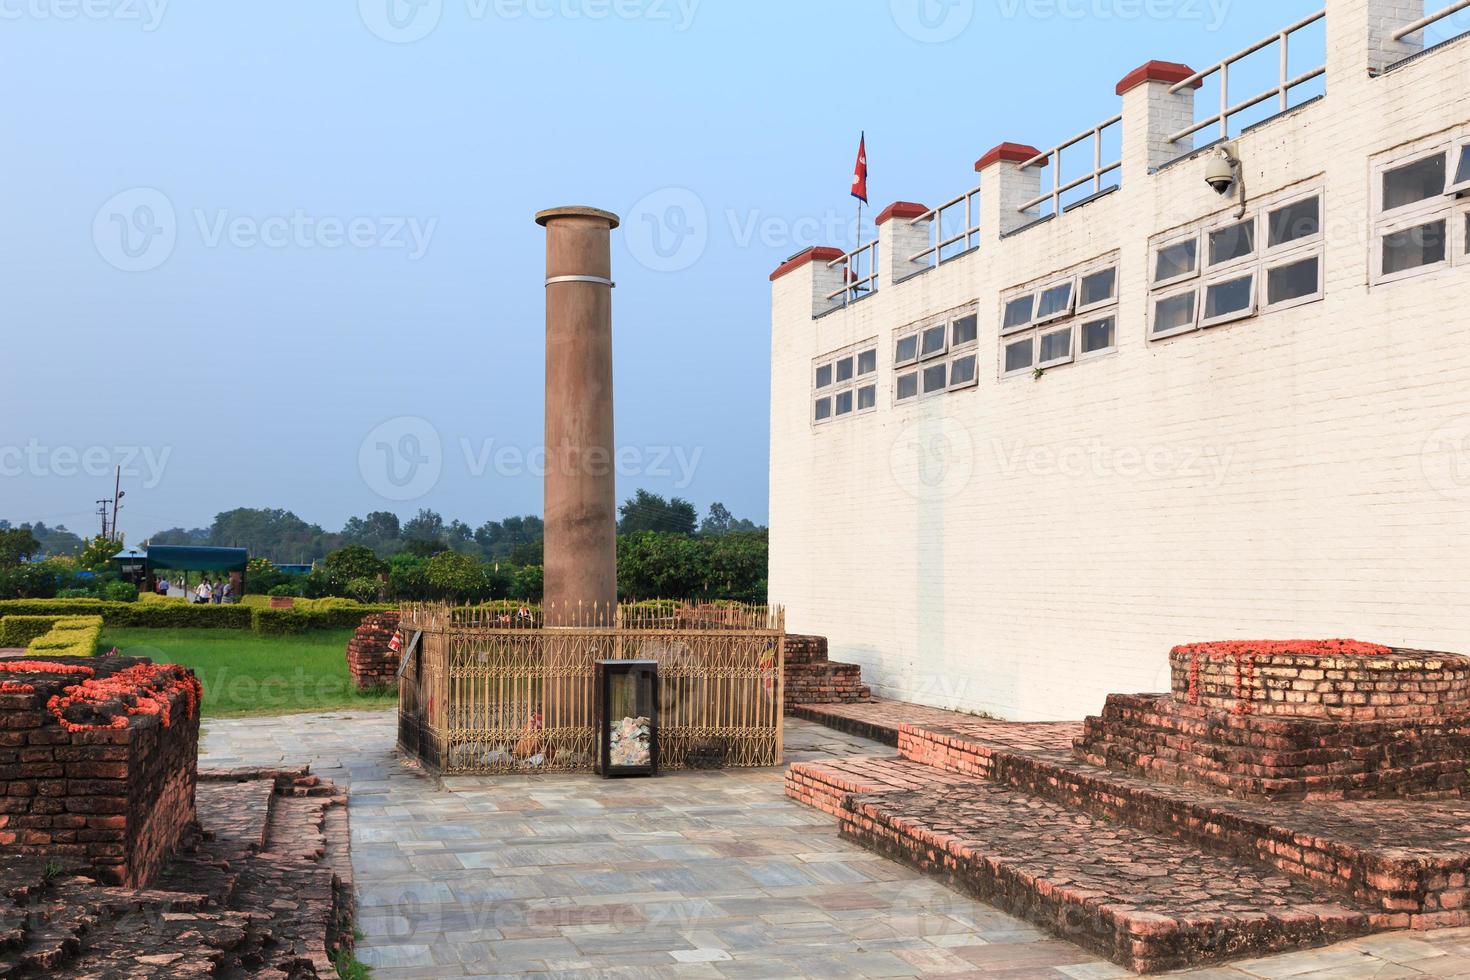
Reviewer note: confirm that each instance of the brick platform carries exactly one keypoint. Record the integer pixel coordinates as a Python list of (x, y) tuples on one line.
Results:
[(1157, 874), (369, 660), (97, 763), (810, 678), (263, 889)]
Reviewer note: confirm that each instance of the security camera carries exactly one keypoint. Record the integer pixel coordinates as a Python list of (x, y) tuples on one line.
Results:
[(1223, 170)]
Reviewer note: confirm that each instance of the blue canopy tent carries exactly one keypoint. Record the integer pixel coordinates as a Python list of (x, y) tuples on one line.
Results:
[(193, 558)]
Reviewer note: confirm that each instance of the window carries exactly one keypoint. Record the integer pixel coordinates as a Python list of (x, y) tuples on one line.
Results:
[(1177, 262), (1460, 182), (834, 378), (1295, 222), (1414, 249), (935, 378), (906, 350), (1019, 355), (1173, 314), (1415, 209), (1056, 302), (1018, 313), (1269, 260), (1098, 289), (1293, 282), (1414, 182), (964, 331), (962, 373), (1229, 299), (943, 356), (1233, 242), (933, 341), (1062, 313), (1056, 348), (1099, 335)]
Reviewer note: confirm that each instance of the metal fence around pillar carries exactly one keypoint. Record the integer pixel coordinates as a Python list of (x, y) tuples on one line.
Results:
[(495, 691)]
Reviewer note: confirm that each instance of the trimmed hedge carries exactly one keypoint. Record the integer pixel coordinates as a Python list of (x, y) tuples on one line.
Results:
[(322, 614), (19, 631), (70, 636)]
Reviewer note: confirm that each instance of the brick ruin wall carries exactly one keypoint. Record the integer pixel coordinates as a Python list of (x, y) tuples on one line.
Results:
[(369, 659), (112, 801), (810, 678)]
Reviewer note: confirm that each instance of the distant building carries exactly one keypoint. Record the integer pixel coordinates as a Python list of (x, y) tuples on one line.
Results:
[(1019, 450)]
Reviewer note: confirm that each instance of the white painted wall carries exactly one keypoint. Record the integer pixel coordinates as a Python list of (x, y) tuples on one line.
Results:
[(1303, 483)]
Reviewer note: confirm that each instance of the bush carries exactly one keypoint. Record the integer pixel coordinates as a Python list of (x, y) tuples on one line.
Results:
[(284, 591), (120, 592), (19, 631), (69, 636), (253, 614), (363, 589)]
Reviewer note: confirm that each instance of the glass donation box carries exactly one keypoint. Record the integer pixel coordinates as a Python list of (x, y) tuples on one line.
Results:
[(627, 718)]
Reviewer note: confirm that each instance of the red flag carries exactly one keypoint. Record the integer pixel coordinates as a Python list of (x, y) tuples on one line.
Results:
[(860, 172)]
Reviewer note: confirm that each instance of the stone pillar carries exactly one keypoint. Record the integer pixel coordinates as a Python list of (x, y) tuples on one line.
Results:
[(581, 492), (818, 278), (1360, 40), (1004, 187), (899, 238), (1151, 114)]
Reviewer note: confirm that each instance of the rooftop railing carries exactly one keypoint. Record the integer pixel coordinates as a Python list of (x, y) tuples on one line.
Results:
[(1281, 92), (956, 228), (1430, 20), (859, 274), (1053, 157)]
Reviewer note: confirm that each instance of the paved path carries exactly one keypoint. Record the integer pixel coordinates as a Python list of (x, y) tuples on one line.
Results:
[(689, 875)]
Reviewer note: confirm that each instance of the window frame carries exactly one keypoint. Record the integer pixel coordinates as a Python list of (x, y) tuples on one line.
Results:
[(1006, 300), (918, 345), (974, 342), (835, 389), (1269, 252), (1153, 260), (912, 371), (1153, 311), (1253, 271), (1067, 358), (1087, 321), (1263, 296), (942, 325), (1458, 149), (1400, 161), (1383, 230), (857, 405), (1030, 368), (1070, 282), (1228, 220), (1079, 308), (974, 381)]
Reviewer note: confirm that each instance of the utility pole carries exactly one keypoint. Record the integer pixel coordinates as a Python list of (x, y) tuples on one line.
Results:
[(117, 495), (102, 512)]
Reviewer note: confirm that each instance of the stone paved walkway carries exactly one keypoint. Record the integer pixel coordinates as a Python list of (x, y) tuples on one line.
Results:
[(692, 874)]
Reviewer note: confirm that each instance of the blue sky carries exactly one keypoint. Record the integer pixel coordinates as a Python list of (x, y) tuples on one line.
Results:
[(249, 244)]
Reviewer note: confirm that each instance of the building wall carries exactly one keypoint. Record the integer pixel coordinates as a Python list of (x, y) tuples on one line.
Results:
[(1024, 547)]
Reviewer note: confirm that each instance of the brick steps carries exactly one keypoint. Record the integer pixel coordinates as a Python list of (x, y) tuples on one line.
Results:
[(810, 678), (1402, 858), (1146, 901)]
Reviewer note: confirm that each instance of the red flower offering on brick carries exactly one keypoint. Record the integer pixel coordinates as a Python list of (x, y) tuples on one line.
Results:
[(109, 702)]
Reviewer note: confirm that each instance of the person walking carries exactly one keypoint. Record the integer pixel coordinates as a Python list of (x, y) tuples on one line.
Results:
[(203, 593)]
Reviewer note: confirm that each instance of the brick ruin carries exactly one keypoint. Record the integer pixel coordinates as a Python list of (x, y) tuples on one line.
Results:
[(810, 678), (370, 660), (97, 759), (1281, 796), (121, 858)]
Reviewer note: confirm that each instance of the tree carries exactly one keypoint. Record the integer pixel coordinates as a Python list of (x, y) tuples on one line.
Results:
[(737, 566), (456, 577), (718, 521), (375, 530), (96, 555), (17, 545), (660, 566), (272, 533), (54, 540), (353, 562), (646, 511)]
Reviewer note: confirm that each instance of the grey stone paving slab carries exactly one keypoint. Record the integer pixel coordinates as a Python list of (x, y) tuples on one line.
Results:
[(690, 875)]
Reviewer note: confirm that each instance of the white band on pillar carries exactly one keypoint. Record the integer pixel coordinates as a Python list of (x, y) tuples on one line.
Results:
[(598, 280)]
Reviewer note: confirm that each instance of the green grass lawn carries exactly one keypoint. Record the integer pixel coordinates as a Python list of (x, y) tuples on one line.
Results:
[(245, 673)]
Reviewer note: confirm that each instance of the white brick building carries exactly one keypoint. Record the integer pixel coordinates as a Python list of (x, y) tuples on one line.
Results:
[(1256, 432)]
